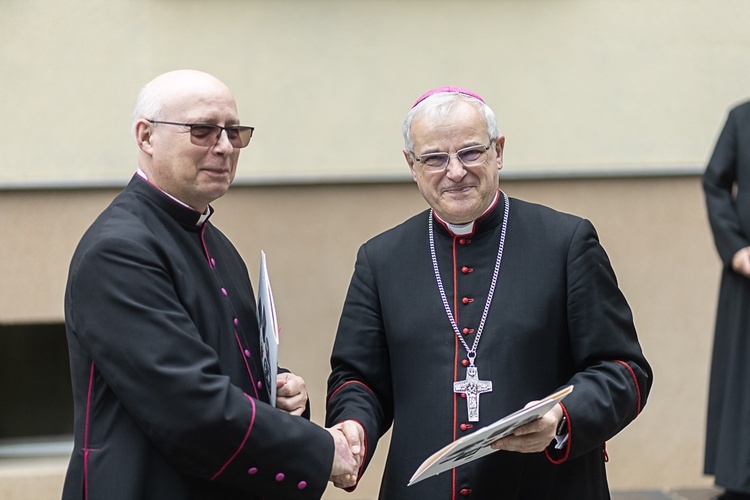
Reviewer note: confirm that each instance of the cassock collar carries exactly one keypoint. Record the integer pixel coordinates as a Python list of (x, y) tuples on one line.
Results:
[(490, 219), (178, 210)]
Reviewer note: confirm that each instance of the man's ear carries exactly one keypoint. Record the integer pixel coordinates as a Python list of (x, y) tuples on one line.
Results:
[(410, 161), (144, 135), (499, 148)]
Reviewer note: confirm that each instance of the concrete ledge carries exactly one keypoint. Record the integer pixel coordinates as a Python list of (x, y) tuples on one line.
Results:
[(32, 478), (675, 494)]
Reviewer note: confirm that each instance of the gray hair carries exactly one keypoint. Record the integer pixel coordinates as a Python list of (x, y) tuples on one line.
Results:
[(149, 105), (439, 105)]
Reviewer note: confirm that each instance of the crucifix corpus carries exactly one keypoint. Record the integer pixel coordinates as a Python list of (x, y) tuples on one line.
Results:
[(472, 387)]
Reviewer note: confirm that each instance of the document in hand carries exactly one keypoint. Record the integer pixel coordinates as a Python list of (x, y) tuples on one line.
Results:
[(269, 330), (477, 444)]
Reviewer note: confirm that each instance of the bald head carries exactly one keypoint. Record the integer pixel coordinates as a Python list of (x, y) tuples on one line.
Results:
[(175, 90)]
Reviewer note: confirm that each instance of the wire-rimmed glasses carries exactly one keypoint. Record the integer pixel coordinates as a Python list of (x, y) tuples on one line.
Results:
[(472, 156)]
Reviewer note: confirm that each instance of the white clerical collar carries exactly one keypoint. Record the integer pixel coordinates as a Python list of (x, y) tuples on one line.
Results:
[(461, 230), (468, 228), (203, 216)]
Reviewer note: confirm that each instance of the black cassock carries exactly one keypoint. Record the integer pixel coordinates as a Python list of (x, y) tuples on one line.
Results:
[(557, 318), (166, 367), (728, 424)]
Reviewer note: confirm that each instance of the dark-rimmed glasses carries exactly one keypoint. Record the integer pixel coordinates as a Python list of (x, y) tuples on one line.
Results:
[(207, 134), (473, 156)]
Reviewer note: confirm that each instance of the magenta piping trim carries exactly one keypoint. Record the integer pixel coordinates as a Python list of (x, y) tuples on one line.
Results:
[(205, 248), (242, 444), (568, 444), (456, 349), (635, 381), (239, 343), (348, 383), (247, 367)]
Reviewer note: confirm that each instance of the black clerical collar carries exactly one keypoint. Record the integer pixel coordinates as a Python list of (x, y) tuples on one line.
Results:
[(182, 213), (484, 220), (203, 216)]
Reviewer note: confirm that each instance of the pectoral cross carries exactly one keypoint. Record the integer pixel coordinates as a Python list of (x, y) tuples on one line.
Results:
[(472, 387)]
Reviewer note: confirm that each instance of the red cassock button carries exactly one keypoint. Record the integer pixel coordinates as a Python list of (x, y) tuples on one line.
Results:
[(466, 270), (465, 362), (465, 492), (463, 427)]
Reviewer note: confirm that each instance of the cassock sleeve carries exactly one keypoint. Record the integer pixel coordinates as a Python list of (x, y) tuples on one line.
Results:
[(612, 377), (359, 387), (718, 183), (146, 350)]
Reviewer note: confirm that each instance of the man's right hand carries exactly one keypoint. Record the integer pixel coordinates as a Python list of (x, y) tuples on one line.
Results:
[(348, 439)]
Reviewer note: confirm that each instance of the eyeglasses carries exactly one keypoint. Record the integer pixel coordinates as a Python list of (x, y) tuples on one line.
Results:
[(207, 134), (472, 156)]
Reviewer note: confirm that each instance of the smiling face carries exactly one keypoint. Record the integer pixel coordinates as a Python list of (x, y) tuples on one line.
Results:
[(457, 194), (195, 175)]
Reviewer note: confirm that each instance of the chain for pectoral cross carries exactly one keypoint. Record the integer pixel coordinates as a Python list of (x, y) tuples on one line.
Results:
[(471, 386)]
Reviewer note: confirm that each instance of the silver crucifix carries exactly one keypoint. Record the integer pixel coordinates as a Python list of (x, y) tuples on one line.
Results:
[(472, 387)]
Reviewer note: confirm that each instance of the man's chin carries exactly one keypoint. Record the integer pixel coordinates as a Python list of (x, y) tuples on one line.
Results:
[(216, 190), (458, 215)]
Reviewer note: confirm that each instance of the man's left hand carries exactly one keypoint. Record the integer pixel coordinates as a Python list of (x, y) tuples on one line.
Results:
[(534, 436), (291, 393)]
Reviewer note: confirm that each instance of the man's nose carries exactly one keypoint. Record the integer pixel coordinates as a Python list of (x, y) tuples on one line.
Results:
[(222, 140), (455, 169)]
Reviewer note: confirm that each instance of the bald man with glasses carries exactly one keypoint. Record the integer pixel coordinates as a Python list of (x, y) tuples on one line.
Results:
[(165, 356)]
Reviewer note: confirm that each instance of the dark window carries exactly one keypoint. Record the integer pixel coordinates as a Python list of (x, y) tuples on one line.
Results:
[(35, 394)]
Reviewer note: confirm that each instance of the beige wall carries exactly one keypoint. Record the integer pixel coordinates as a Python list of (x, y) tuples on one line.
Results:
[(654, 230), (577, 84)]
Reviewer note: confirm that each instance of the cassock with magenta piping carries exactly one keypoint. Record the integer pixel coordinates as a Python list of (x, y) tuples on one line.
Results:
[(557, 318)]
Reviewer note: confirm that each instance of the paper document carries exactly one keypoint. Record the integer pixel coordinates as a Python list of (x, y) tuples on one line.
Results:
[(477, 444), (269, 330)]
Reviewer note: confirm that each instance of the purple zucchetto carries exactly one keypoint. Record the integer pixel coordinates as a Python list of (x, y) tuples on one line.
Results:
[(447, 89)]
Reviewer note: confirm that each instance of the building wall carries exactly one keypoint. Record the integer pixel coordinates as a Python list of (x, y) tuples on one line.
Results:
[(654, 230), (596, 100), (578, 85)]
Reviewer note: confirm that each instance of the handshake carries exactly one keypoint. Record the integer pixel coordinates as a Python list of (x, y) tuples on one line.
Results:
[(349, 449)]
